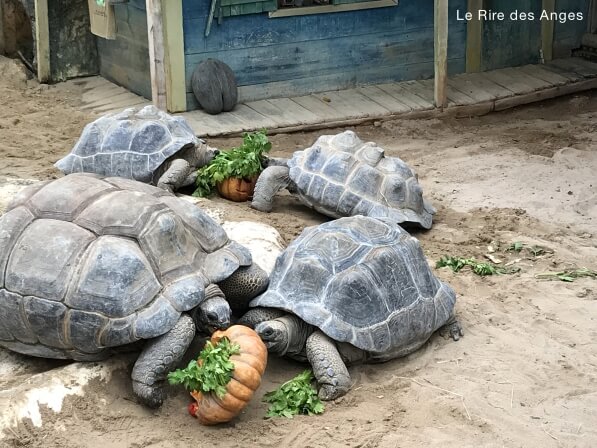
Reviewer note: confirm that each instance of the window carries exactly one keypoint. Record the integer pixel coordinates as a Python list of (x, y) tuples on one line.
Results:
[(301, 7), (284, 8)]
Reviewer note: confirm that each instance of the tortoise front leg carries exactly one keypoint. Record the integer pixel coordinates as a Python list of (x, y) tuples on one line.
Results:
[(159, 357), (175, 176), (191, 179), (271, 180), (330, 371)]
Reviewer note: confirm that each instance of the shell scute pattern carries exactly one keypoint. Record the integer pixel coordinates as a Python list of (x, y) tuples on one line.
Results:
[(132, 144), (368, 284), (89, 263), (375, 185)]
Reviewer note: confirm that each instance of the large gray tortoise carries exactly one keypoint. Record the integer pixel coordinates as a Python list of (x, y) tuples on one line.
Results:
[(89, 265), (340, 175), (349, 291), (147, 145)]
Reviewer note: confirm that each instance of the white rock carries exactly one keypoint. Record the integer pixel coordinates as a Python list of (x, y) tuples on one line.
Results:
[(263, 241), (48, 388)]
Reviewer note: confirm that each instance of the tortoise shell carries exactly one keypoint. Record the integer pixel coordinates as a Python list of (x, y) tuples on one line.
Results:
[(362, 281), (132, 144), (340, 175), (88, 263)]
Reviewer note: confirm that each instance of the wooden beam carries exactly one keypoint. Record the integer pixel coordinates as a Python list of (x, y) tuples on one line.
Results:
[(176, 92), (42, 40), (474, 37), (547, 28), (2, 41), (155, 35), (441, 53)]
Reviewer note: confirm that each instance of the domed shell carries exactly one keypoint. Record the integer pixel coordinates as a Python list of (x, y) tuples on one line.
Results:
[(132, 144), (88, 263), (361, 281), (340, 175)]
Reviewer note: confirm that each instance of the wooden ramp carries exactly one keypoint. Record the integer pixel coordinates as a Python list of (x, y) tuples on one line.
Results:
[(102, 96), (468, 94)]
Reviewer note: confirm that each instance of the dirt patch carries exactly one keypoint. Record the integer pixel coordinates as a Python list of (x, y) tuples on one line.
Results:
[(524, 373)]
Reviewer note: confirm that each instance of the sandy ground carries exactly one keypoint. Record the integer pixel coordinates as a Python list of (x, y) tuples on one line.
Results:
[(525, 373)]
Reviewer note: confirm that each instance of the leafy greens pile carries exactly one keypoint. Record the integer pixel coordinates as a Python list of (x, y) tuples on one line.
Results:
[(479, 268), (297, 396), (212, 372), (244, 161)]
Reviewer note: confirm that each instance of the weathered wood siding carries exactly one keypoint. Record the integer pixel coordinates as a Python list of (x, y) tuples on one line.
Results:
[(303, 54), (125, 60), (72, 46), (567, 35), (510, 43)]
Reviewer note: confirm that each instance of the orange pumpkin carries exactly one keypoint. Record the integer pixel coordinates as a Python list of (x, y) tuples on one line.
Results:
[(249, 365), (237, 189)]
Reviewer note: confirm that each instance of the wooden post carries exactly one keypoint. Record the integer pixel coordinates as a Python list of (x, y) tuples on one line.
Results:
[(547, 27), (441, 53), (42, 40), (155, 34), (474, 37), (2, 42), (176, 92)]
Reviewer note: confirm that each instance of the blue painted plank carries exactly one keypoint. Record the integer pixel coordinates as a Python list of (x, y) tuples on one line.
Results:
[(510, 43), (303, 54), (259, 30)]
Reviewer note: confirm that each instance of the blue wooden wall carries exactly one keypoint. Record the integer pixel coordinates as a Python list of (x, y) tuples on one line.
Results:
[(511, 43), (567, 35), (125, 60), (303, 54)]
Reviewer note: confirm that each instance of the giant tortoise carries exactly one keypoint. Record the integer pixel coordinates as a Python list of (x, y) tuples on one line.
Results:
[(89, 265), (352, 290), (144, 144), (340, 175)]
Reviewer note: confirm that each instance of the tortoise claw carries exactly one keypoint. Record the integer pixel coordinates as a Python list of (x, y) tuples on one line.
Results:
[(452, 330)]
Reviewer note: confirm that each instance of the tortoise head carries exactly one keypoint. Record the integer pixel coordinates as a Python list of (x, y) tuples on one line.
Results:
[(212, 314), (276, 335), (203, 154)]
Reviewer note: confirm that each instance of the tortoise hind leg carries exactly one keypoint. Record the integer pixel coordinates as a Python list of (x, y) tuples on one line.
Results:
[(328, 367), (271, 180), (159, 357)]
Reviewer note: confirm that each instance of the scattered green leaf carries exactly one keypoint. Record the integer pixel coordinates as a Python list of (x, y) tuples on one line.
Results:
[(479, 268), (212, 372), (537, 250), (515, 246), (297, 396), (244, 161), (567, 276)]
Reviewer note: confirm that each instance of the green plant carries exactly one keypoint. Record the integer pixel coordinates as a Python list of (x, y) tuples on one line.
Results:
[(213, 370), (567, 276), (479, 268), (515, 246), (297, 396), (244, 161)]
